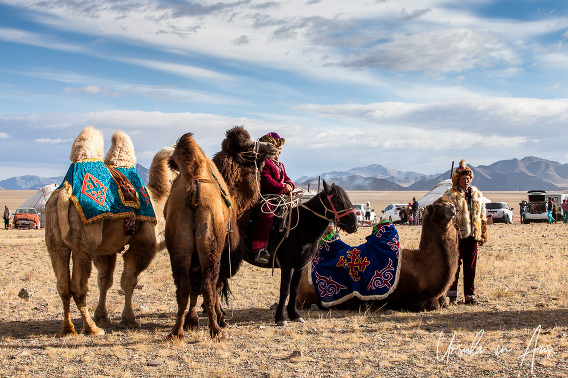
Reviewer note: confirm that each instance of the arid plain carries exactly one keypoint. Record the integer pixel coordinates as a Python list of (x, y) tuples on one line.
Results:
[(519, 328)]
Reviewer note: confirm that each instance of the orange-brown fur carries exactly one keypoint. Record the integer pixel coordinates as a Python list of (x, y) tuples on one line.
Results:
[(426, 273)]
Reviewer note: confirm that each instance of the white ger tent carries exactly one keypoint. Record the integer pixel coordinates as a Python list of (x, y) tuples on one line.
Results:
[(437, 191), (38, 200)]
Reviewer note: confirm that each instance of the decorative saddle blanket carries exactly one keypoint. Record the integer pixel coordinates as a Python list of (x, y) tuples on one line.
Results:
[(99, 192), (369, 271)]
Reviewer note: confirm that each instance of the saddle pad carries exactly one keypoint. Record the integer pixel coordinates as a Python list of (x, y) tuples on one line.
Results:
[(96, 192), (369, 271)]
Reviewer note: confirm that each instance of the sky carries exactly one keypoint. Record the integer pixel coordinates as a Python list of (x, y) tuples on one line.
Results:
[(409, 85)]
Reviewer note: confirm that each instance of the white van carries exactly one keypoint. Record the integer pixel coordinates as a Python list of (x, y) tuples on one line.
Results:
[(537, 211), (391, 212)]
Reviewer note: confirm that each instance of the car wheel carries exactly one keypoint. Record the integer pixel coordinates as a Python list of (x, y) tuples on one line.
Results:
[(507, 219), (390, 219)]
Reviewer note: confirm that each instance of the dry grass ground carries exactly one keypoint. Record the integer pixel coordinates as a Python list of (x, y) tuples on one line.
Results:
[(519, 328)]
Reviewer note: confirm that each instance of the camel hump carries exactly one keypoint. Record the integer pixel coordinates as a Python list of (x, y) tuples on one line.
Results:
[(89, 144), (160, 175), (121, 152), (188, 158)]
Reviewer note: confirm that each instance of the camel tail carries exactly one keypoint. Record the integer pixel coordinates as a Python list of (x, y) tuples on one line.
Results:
[(188, 158), (161, 176), (63, 213)]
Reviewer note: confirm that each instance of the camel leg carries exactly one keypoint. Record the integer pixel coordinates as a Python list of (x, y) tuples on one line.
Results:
[(220, 315), (210, 297), (82, 266), (292, 310), (192, 319), (105, 265), (180, 272), (136, 259), (60, 259), (285, 278)]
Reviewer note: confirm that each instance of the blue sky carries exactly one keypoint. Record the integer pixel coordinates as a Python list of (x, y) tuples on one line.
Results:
[(410, 85)]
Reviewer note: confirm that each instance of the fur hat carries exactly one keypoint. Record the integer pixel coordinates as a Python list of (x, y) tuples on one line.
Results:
[(273, 138), (463, 169)]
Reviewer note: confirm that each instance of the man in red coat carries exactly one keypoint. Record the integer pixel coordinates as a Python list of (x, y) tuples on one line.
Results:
[(273, 180)]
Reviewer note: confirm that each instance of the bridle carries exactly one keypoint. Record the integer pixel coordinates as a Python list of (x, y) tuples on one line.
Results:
[(337, 215), (251, 156)]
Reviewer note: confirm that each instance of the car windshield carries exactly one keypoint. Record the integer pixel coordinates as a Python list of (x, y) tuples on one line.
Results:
[(496, 205), (388, 208), (357, 207), (25, 211)]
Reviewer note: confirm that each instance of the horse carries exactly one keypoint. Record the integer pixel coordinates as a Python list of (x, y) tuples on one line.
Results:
[(294, 252)]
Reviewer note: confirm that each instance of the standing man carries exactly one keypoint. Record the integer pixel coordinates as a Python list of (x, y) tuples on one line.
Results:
[(415, 211), (523, 208), (565, 211), (472, 230), (368, 210), (6, 217)]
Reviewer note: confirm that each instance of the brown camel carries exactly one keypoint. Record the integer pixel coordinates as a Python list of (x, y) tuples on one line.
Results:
[(202, 213), (426, 273), (99, 240)]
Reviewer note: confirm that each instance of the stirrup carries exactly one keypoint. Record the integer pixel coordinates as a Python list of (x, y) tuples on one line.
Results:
[(262, 257)]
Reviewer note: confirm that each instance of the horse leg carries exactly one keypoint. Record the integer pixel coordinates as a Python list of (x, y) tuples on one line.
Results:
[(60, 259), (105, 265), (285, 278), (82, 265), (292, 310), (137, 258)]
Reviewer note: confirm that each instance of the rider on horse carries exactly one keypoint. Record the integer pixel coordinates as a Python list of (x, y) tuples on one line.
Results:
[(273, 180)]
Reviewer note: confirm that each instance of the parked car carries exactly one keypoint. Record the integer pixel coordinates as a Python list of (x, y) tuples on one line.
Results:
[(391, 212), (537, 207), (26, 217), (360, 214), (500, 212)]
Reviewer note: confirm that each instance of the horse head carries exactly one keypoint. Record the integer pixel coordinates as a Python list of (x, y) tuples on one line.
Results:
[(340, 206), (238, 144)]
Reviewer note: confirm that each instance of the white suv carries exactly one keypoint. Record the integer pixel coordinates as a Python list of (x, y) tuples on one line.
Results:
[(391, 212), (500, 212)]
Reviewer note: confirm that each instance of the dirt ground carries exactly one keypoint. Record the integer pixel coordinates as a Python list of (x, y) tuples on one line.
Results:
[(520, 327)]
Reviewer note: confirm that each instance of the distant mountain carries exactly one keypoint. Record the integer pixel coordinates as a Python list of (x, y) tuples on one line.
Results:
[(403, 178), (526, 174), (29, 182), (36, 182)]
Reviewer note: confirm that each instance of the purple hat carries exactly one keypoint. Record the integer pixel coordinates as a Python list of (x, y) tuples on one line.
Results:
[(273, 138)]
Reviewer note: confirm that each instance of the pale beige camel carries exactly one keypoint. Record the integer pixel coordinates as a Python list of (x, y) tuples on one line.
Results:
[(99, 242)]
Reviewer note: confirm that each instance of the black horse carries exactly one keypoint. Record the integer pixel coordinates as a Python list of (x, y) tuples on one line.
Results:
[(295, 251)]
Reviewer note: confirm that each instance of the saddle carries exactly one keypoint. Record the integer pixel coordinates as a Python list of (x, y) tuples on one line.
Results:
[(99, 192)]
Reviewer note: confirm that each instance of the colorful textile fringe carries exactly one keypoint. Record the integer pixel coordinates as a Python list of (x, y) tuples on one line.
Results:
[(369, 271), (96, 193)]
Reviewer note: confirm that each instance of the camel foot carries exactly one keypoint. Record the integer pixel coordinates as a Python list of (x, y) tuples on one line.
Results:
[(103, 321), (130, 324), (222, 323), (282, 323), (68, 330), (300, 320), (175, 336), (216, 333), (95, 331)]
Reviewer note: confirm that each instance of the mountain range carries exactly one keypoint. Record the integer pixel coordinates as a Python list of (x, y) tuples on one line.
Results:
[(529, 173)]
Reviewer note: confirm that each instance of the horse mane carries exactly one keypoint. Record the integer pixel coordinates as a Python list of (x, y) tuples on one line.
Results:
[(188, 158)]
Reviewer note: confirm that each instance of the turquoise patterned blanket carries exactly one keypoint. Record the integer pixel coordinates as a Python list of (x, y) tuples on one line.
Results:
[(97, 194)]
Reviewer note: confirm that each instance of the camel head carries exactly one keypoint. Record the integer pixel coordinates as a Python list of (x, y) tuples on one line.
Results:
[(89, 144), (237, 143), (441, 211)]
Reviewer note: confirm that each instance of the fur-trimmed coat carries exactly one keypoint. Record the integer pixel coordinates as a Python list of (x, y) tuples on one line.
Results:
[(471, 223)]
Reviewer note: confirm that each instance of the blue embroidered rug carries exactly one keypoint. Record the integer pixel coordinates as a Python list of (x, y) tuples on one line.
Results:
[(97, 194), (369, 271)]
